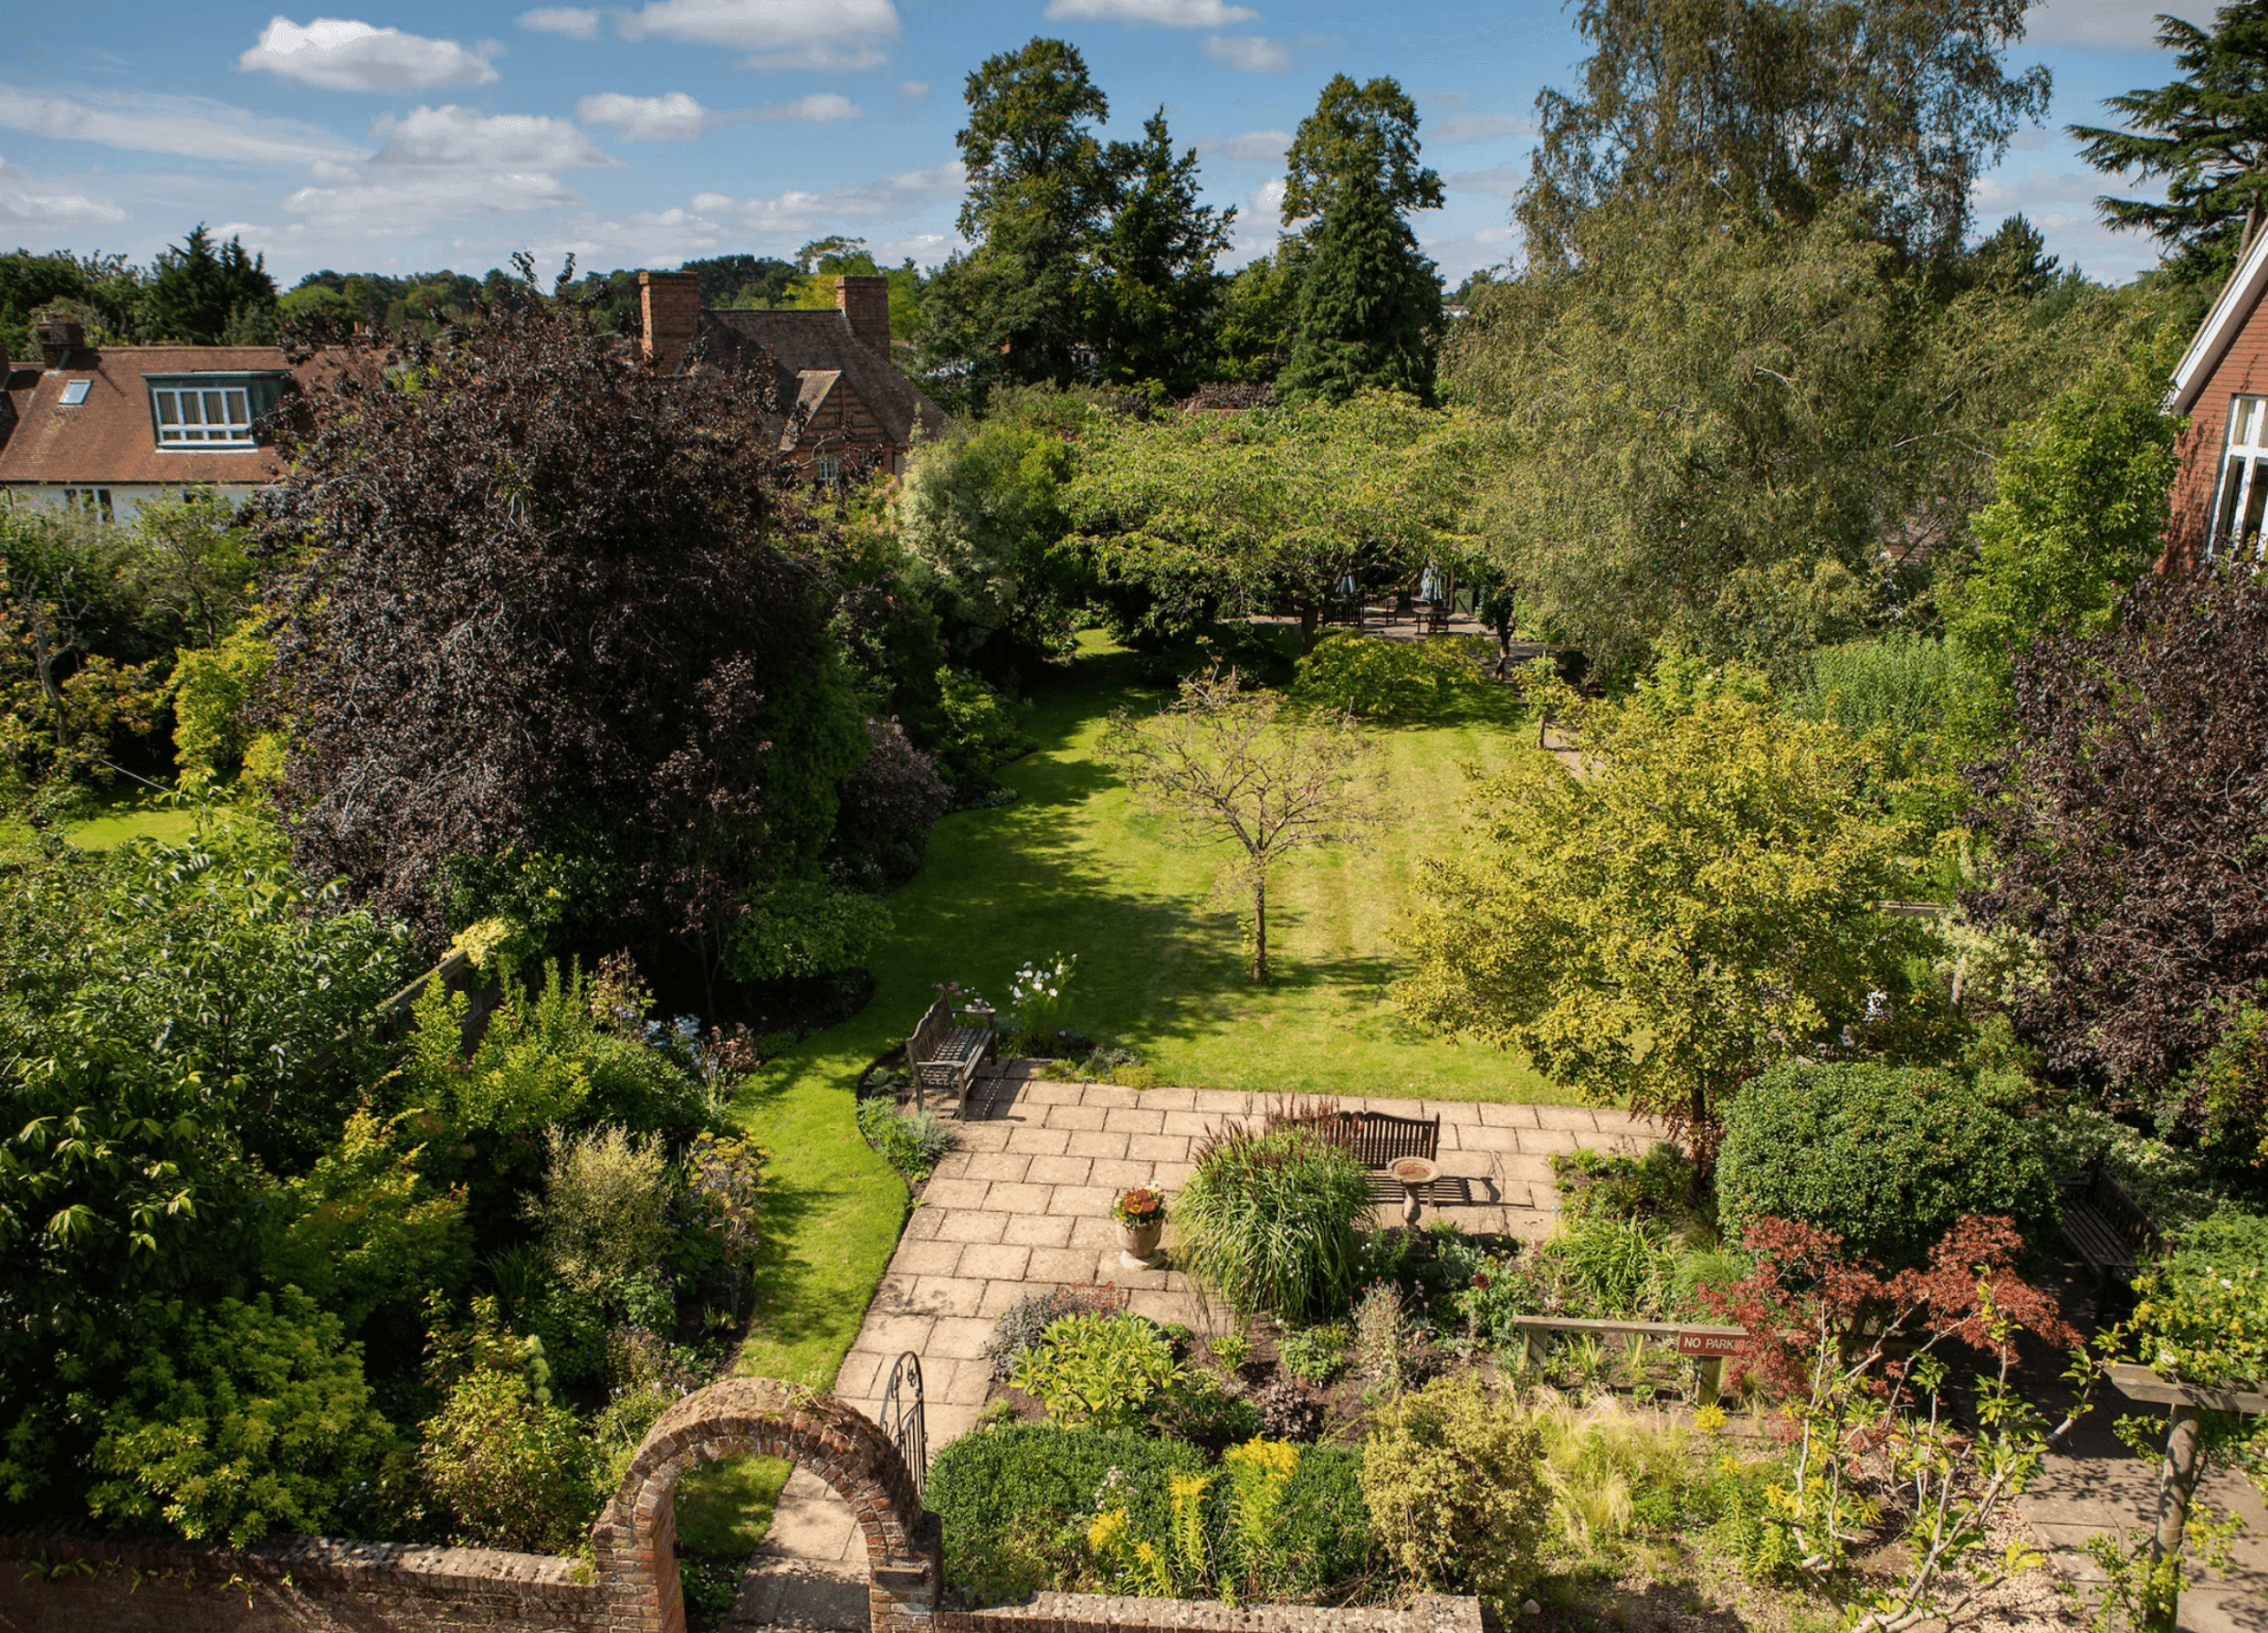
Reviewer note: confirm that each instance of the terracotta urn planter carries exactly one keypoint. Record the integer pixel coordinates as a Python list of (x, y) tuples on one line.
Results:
[(1140, 1214)]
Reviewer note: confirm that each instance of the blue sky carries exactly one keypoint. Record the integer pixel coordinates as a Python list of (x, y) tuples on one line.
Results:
[(406, 136)]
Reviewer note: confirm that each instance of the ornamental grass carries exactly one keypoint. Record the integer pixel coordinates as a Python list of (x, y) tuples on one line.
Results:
[(1268, 1221)]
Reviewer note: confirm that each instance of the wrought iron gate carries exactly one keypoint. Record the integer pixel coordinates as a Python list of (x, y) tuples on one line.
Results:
[(901, 1418)]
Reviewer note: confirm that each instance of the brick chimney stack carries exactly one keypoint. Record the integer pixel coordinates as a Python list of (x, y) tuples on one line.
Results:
[(865, 300), (670, 304), (60, 334)]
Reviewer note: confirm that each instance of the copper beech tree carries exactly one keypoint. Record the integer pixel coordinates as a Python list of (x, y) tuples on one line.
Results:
[(537, 597), (1229, 764)]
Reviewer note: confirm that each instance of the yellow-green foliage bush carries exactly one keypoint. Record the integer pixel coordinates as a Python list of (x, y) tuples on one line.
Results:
[(1451, 1476), (1392, 681), (214, 738), (604, 1213)]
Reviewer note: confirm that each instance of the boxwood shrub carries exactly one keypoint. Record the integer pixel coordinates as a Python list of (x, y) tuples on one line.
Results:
[(1887, 1157), (1016, 1501)]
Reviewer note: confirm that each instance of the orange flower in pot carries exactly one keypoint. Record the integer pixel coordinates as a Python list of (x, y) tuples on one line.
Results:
[(1140, 1213)]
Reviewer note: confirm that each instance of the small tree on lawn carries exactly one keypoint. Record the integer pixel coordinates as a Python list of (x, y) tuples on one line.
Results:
[(1227, 763), (1700, 900)]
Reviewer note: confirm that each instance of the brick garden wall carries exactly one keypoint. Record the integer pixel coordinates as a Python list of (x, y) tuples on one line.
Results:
[(57, 1584)]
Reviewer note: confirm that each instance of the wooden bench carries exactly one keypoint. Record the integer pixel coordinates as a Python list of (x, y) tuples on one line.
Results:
[(2105, 1227), (1379, 1141), (947, 1048)]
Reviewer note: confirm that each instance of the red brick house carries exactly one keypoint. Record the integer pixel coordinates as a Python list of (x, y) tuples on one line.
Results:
[(844, 405), (2221, 492)]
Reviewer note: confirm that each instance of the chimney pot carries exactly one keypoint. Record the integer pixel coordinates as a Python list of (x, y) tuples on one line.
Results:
[(60, 334), (864, 298), (670, 304)]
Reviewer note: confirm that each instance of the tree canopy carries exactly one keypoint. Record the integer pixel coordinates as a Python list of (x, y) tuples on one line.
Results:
[(2205, 134), (535, 598), (1782, 108)]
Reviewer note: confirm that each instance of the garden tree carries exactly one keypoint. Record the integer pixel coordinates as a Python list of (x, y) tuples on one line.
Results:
[(1186, 517), (1160, 294), (1700, 899), (1779, 109), (67, 599), (2201, 1321), (1230, 764), (1017, 304), (2206, 134), (2079, 512), (1718, 422), (1358, 132), (1085, 260), (2123, 813), (191, 558), (1860, 1358), (1369, 303), (176, 1025), (201, 293), (824, 260), (1258, 311), (978, 520), (534, 599), (745, 280), (1369, 299)]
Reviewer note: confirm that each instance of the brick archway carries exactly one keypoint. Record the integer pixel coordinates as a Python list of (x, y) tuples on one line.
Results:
[(634, 1538)]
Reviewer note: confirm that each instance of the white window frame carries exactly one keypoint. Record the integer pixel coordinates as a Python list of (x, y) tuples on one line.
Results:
[(191, 428), (92, 502), (829, 468), (2240, 496)]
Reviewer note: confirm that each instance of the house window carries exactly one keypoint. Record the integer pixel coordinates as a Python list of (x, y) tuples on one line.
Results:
[(830, 469), (90, 501), (2243, 478), (202, 416), (75, 392)]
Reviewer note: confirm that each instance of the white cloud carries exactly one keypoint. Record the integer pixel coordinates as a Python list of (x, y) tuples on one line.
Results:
[(576, 21), (190, 127), (1995, 196), (1479, 127), (1251, 53), (383, 204), (822, 108), (780, 33), (27, 202), (1442, 99), (1252, 147), (673, 118), (1504, 180), (1169, 14), (797, 211), (913, 88), (1267, 199), (2108, 24), (464, 139), (340, 54)]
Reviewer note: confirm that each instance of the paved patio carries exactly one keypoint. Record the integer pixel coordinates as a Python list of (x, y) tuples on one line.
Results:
[(1023, 1204)]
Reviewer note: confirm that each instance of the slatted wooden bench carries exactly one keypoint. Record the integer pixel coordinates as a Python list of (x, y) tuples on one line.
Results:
[(2107, 1228), (947, 1048), (1379, 1141)]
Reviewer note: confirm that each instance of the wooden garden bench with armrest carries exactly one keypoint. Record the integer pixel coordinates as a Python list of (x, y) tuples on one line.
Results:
[(1378, 1141), (2105, 1227), (947, 1048)]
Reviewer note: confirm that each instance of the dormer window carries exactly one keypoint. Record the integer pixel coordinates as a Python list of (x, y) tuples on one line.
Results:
[(206, 412), (2243, 496)]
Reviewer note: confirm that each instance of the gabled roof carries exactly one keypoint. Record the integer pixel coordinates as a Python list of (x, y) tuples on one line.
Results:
[(809, 343), (2231, 312), (108, 437)]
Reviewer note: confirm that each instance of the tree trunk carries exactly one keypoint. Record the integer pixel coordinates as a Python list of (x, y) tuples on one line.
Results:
[(1260, 929), (1310, 618), (2176, 1481)]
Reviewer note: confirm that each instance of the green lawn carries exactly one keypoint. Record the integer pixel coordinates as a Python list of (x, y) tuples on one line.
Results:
[(1075, 866)]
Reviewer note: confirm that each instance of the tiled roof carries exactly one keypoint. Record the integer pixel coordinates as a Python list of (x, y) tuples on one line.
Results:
[(108, 437), (805, 343)]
